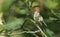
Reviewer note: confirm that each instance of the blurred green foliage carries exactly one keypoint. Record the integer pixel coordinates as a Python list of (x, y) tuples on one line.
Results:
[(18, 17)]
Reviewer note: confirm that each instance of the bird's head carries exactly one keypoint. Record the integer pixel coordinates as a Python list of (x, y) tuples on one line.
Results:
[(37, 9)]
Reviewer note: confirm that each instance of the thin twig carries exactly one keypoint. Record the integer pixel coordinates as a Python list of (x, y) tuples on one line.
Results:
[(23, 32), (43, 34)]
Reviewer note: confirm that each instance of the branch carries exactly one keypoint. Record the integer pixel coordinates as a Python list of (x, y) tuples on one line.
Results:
[(32, 32), (42, 33)]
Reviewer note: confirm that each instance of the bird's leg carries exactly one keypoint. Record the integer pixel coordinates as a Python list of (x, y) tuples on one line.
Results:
[(40, 23), (44, 23)]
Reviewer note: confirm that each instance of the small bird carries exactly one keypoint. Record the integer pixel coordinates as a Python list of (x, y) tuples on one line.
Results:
[(37, 17)]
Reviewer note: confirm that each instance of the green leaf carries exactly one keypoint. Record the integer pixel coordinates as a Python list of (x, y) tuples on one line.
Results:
[(35, 4), (48, 20), (49, 33), (15, 24), (23, 11), (11, 18), (51, 4), (52, 18), (6, 4), (17, 33), (1, 28)]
